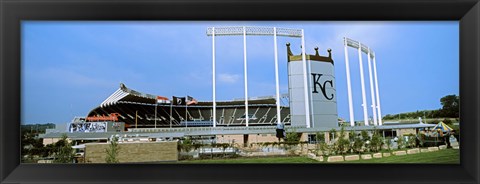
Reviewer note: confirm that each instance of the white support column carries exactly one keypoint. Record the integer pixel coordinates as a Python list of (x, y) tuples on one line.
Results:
[(376, 89), (364, 98), (156, 104), (214, 103), (305, 83), (310, 92), (349, 86), (372, 94), (245, 74), (277, 85)]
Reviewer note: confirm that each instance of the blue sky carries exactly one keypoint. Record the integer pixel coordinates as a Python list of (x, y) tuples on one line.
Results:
[(69, 68)]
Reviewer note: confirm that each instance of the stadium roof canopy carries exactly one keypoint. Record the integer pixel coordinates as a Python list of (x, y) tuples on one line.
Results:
[(124, 94)]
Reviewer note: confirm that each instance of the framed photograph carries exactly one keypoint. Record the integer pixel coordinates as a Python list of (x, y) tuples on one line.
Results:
[(239, 92)]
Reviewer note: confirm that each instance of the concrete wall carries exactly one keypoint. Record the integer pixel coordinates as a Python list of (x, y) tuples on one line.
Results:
[(47, 141), (134, 152), (252, 138), (401, 132), (255, 138)]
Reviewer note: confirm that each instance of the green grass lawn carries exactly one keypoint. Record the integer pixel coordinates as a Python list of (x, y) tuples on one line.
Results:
[(448, 156)]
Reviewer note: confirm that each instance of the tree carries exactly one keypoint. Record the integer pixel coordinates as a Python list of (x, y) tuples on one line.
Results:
[(320, 137), (342, 143), (112, 151), (64, 153), (412, 141), (450, 106), (389, 143), (186, 145), (357, 141), (376, 142), (351, 135), (365, 139), (292, 138), (400, 142)]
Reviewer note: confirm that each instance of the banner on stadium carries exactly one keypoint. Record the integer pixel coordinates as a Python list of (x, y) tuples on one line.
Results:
[(179, 100), (191, 100), (162, 100)]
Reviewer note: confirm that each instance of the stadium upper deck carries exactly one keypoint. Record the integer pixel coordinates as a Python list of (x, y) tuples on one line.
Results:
[(137, 109)]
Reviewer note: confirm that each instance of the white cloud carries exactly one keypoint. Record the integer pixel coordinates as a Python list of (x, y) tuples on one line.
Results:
[(228, 78)]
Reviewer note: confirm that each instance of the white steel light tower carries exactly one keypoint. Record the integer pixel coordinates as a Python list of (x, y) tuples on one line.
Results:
[(349, 86), (375, 101), (372, 93), (262, 31), (376, 91), (362, 80)]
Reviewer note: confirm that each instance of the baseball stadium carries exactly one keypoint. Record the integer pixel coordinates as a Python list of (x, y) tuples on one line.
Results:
[(309, 107)]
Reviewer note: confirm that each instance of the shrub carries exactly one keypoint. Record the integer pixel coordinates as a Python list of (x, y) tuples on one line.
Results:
[(376, 141), (366, 140), (342, 143), (388, 142), (400, 142), (64, 151), (112, 151), (185, 157), (320, 137), (292, 138), (351, 136), (186, 145), (412, 141), (358, 144)]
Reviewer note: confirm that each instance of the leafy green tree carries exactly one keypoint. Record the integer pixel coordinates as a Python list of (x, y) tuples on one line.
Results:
[(366, 140), (64, 153), (358, 144), (351, 135), (186, 145), (400, 142), (112, 151), (376, 141), (292, 138), (412, 141), (320, 137), (31, 145), (451, 106), (388, 142), (365, 136), (342, 144)]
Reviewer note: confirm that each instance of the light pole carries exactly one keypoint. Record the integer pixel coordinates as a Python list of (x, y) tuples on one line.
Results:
[(373, 81), (259, 31)]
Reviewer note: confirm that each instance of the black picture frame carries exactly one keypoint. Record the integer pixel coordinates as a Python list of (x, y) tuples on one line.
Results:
[(12, 12)]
